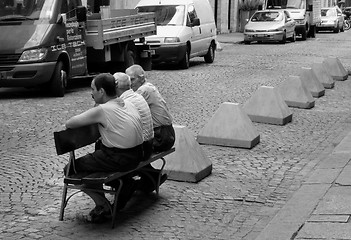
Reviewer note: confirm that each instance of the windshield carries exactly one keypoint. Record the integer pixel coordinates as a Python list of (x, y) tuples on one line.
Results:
[(22, 10), (297, 4), (267, 17), (166, 15), (328, 13)]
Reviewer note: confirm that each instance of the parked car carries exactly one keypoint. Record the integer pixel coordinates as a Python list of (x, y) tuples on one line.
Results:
[(270, 25), (331, 19)]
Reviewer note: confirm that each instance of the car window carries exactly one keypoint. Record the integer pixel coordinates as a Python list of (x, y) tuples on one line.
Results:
[(328, 12), (166, 14), (267, 17)]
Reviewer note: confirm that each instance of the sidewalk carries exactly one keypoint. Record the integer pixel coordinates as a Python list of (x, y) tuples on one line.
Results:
[(321, 207), (235, 37)]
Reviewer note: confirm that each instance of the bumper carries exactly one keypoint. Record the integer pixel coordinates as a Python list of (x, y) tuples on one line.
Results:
[(26, 75), (168, 52), (263, 36), (326, 26)]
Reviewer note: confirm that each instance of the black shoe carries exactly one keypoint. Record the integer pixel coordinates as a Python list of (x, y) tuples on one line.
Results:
[(99, 214), (128, 188)]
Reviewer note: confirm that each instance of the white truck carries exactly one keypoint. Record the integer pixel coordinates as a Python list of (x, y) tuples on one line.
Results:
[(45, 43), (306, 13)]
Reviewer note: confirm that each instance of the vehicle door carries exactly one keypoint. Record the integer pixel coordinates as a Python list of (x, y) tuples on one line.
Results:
[(74, 38), (196, 30)]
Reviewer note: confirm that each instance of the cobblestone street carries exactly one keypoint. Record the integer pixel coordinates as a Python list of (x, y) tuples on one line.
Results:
[(246, 188)]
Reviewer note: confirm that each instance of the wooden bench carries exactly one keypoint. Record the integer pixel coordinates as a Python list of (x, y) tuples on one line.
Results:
[(69, 140)]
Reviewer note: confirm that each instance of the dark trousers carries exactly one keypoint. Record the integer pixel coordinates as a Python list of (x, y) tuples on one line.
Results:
[(164, 138), (105, 159)]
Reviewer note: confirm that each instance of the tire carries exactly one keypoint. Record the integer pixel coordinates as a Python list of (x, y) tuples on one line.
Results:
[(336, 30), (210, 55), (247, 42), (313, 31), (304, 34), (129, 58), (283, 41), (346, 25), (185, 62), (293, 38), (58, 80)]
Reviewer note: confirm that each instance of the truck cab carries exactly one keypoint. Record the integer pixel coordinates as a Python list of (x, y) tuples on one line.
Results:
[(45, 43), (36, 46)]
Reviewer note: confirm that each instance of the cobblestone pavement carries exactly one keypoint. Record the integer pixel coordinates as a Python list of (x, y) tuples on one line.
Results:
[(240, 197)]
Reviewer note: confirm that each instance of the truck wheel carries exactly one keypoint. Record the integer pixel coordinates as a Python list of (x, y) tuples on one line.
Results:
[(58, 81), (210, 55), (304, 33), (129, 58), (184, 63), (313, 31)]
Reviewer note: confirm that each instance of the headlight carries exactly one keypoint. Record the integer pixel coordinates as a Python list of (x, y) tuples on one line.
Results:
[(33, 55), (172, 40), (300, 21)]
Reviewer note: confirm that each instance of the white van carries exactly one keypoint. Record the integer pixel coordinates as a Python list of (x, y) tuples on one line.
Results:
[(185, 29)]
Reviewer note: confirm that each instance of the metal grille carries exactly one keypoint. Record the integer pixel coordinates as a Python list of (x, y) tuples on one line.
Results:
[(8, 59)]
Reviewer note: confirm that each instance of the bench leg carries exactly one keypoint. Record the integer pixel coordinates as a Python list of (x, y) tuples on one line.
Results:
[(115, 202), (63, 202), (159, 176)]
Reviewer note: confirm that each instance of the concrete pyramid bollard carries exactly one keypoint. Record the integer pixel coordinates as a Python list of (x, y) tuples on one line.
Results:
[(295, 93), (322, 75), (312, 83), (231, 127), (188, 163), (335, 69), (268, 106)]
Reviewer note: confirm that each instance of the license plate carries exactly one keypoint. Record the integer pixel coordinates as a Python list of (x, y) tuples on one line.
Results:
[(152, 51), (2, 75), (260, 35)]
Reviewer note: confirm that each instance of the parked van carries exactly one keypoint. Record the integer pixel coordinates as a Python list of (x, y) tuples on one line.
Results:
[(185, 29)]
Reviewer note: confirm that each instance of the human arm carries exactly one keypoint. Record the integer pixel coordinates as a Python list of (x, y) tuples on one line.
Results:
[(91, 116)]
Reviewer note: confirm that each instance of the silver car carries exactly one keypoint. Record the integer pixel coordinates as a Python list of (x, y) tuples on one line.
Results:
[(270, 25), (331, 19)]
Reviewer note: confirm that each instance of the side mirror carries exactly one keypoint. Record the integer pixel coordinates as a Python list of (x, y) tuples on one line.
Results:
[(61, 19), (81, 13), (195, 22)]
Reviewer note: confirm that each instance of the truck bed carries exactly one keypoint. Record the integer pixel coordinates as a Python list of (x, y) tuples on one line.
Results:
[(102, 32)]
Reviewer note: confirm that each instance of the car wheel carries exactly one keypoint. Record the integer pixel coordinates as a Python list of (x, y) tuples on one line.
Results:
[(283, 41), (58, 81), (342, 28), (184, 63), (210, 55), (304, 33), (336, 29), (293, 38), (247, 42)]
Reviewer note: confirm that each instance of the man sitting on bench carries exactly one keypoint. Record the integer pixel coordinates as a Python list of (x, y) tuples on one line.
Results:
[(121, 133), (164, 135)]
